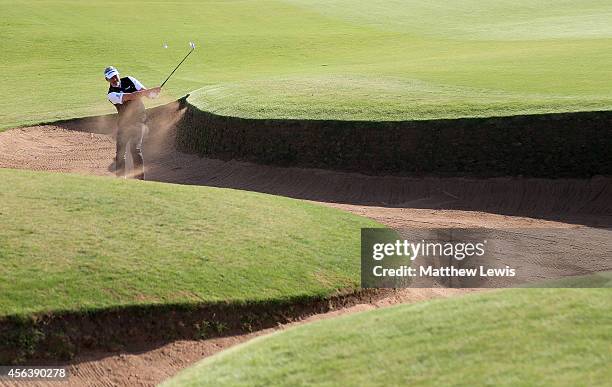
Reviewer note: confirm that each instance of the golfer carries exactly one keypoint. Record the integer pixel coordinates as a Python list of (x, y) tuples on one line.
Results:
[(126, 94)]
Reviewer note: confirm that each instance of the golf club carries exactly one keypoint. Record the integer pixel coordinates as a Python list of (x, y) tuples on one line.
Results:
[(192, 45)]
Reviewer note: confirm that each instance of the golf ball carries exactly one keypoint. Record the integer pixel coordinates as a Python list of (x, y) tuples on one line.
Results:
[(165, 45)]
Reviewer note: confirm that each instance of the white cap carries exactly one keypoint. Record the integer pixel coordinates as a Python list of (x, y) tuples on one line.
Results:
[(110, 72)]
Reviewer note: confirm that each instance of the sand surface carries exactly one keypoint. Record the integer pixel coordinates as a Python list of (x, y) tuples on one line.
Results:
[(399, 202)]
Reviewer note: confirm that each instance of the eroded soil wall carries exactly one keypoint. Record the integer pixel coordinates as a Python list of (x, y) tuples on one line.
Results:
[(547, 145)]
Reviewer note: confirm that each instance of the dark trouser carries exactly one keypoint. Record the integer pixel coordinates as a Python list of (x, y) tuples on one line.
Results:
[(132, 135)]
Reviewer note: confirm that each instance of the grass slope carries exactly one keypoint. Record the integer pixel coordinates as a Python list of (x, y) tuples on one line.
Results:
[(514, 337), (71, 242), (380, 59)]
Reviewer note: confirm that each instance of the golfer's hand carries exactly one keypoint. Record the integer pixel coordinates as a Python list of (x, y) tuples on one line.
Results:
[(153, 92)]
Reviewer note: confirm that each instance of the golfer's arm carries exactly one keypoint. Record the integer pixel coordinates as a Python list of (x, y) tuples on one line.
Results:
[(149, 93), (134, 95)]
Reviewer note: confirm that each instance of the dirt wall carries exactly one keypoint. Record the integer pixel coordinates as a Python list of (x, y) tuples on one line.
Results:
[(62, 335), (546, 145)]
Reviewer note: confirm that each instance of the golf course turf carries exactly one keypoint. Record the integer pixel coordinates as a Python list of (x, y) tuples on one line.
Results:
[(105, 264), (337, 59), (510, 337), (75, 243)]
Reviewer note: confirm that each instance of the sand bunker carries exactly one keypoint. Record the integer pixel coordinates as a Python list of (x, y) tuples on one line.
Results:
[(80, 146), (579, 201)]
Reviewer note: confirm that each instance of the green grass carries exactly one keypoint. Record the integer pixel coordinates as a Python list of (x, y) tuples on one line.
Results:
[(73, 243), (513, 337), (378, 60)]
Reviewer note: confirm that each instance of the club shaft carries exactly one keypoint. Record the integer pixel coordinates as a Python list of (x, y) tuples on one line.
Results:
[(177, 66)]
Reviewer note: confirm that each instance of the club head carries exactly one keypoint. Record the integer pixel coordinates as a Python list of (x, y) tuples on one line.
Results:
[(192, 45)]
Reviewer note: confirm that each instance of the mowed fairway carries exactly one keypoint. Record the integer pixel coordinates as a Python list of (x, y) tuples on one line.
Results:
[(378, 60), (557, 337), (75, 243)]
